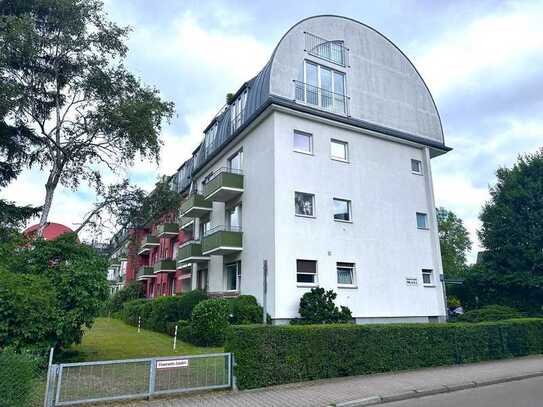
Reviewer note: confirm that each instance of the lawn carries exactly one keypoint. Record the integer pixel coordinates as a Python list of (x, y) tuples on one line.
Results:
[(113, 339)]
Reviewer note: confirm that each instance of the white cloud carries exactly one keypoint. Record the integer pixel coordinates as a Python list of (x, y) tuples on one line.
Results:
[(492, 43)]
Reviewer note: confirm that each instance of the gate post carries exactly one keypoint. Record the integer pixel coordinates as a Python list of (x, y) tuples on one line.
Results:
[(47, 401), (233, 379), (152, 378)]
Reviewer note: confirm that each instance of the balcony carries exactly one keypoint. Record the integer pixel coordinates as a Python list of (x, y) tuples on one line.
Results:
[(164, 266), (321, 98), (186, 223), (224, 186), (145, 273), (195, 206), (190, 252), (222, 240), (148, 243), (167, 230)]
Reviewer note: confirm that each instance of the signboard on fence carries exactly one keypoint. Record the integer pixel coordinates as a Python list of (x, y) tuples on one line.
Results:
[(170, 364)]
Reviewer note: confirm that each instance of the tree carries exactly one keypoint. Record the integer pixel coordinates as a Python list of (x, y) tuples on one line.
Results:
[(61, 280), (512, 220), (454, 241), (61, 63)]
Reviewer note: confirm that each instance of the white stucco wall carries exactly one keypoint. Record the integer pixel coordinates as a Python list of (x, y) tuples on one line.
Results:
[(384, 87), (383, 240)]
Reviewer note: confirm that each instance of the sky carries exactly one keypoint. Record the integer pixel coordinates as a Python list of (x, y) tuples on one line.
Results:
[(481, 60)]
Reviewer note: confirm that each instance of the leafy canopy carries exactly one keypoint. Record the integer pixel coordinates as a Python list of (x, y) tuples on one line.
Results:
[(454, 241)]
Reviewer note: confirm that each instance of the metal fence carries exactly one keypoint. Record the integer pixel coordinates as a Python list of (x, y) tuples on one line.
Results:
[(87, 382)]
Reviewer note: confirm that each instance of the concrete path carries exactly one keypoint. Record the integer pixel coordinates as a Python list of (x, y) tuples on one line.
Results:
[(363, 390)]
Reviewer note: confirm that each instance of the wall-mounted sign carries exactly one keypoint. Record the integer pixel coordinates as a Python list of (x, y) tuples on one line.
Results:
[(411, 282), (170, 364)]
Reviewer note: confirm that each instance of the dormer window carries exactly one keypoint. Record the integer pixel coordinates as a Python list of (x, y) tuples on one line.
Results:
[(333, 51), (237, 111)]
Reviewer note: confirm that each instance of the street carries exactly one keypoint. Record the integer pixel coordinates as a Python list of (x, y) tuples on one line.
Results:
[(522, 393)]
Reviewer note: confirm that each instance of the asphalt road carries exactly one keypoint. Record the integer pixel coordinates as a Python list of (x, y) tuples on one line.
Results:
[(522, 393)]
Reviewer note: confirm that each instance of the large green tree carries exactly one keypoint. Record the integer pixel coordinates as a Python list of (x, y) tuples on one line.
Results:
[(454, 241), (511, 269), (61, 67)]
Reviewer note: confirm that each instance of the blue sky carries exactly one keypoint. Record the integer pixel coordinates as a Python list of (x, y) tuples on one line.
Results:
[(481, 60)]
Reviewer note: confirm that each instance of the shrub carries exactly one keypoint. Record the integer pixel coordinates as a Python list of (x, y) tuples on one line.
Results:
[(245, 310), (209, 322), (269, 355), (318, 307), (161, 314), (489, 313), (131, 292), (17, 390)]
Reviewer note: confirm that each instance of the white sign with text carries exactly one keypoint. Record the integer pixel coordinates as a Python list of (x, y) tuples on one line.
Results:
[(170, 364)]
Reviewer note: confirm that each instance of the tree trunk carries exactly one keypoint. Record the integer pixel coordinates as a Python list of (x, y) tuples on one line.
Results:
[(50, 188)]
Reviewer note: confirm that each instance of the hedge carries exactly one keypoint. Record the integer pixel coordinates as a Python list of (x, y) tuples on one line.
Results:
[(18, 372), (270, 355), (162, 314)]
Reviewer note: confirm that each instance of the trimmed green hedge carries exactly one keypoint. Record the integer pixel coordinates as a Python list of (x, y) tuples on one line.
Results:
[(270, 355), (162, 314)]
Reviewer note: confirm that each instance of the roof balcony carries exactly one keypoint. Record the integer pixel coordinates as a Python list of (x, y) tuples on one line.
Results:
[(145, 273), (167, 230), (190, 252), (165, 266), (148, 242), (222, 240), (225, 185), (195, 206)]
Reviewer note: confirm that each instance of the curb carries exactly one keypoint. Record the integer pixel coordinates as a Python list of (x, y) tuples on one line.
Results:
[(429, 391)]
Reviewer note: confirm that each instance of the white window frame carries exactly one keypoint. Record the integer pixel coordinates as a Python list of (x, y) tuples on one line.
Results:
[(429, 272), (413, 160), (314, 215), (315, 282), (346, 147), (302, 133), (238, 276), (349, 207), (426, 226), (232, 157), (344, 265), (319, 86)]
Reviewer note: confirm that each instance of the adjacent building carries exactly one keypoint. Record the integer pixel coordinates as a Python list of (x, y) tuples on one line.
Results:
[(319, 168)]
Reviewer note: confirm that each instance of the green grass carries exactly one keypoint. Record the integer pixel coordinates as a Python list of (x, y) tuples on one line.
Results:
[(110, 339)]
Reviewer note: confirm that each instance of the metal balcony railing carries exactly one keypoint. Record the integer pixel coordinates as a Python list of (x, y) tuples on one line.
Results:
[(322, 98), (332, 51)]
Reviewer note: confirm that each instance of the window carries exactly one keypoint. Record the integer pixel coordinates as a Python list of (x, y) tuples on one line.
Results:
[(422, 220), (345, 273), (427, 277), (202, 279), (306, 271), (342, 210), (323, 87), (416, 167), (232, 275), (205, 227), (304, 204), (339, 150), (303, 142), (235, 162), (233, 218)]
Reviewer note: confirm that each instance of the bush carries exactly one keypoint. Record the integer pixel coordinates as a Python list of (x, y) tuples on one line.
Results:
[(17, 371), (161, 314), (270, 355), (245, 310), (209, 322), (131, 292), (489, 313), (318, 307)]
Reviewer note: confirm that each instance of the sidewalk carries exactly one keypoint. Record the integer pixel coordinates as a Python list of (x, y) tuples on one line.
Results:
[(342, 390)]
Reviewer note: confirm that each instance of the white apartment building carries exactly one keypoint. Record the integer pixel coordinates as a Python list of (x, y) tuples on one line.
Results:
[(320, 167)]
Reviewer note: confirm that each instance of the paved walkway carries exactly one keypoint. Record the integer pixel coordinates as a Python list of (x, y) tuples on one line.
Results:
[(326, 392)]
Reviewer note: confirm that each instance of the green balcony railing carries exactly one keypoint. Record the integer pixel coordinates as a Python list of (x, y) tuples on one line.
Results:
[(145, 272), (167, 229), (195, 206), (148, 243), (222, 240), (164, 266), (190, 252), (224, 186)]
